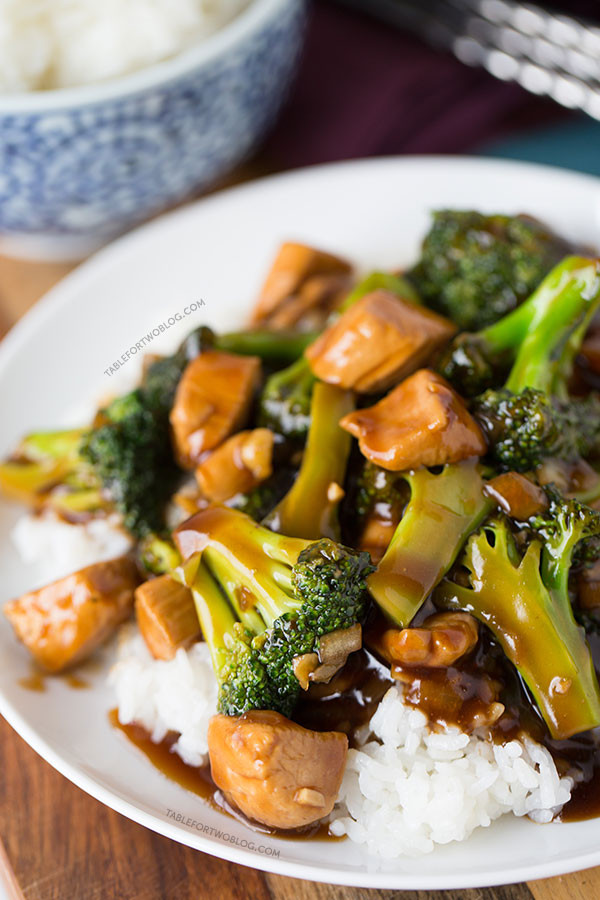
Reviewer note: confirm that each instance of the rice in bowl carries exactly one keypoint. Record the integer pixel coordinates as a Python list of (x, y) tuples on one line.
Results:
[(63, 43)]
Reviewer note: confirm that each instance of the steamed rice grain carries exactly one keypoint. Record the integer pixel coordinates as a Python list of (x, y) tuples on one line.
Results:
[(63, 43), (56, 548), (406, 789), (411, 788)]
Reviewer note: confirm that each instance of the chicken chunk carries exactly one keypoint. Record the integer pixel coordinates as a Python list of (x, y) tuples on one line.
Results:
[(213, 400), (275, 771), (517, 495), (63, 623), (439, 642), (166, 616), (293, 281), (311, 306), (588, 587), (237, 466), (377, 342), (422, 422)]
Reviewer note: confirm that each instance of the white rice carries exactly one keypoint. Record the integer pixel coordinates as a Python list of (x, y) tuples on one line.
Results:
[(402, 793), (413, 788), (57, 548), (62, 43), (179, 695)]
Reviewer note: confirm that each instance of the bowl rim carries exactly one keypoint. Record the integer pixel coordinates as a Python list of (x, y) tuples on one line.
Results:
[(251, 19)]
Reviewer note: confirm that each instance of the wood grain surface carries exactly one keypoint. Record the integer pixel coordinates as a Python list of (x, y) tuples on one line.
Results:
[(60, 844)]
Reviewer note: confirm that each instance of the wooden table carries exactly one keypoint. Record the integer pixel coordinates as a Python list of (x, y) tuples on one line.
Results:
[(60, 844)]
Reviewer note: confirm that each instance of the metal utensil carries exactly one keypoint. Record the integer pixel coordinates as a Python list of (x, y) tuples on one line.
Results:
[(548, 53)]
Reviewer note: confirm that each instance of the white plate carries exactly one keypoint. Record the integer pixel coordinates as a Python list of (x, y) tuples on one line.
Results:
[(374, 212)]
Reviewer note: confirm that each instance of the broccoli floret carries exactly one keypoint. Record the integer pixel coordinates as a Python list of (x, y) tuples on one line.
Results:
[(532, 417), (286, 398), (263, 600), (476, 361), (567, 524), (442, 511), (372, 495), (374, 486), (310, 508), (476, 268), (525, 429), (285, 401), (132, 456), (524, 601)]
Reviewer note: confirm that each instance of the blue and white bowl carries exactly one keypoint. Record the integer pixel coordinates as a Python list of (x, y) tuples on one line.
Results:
[(80, 165)]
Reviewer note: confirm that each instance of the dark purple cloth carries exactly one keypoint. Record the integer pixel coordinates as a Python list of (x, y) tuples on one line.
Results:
[(366, 89)]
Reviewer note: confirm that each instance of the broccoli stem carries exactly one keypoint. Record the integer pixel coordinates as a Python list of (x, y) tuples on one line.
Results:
[(532, 418), (237, 584), (476, 361), (217, 620), (252, 564), (158, 555), (562, 307), (442, 511), (271, 346), (46, 459), (44, 445), (530, 615), (309, 509), (381, 281)]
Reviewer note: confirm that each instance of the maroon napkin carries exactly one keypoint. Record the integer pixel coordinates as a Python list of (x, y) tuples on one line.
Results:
[(366, 89)]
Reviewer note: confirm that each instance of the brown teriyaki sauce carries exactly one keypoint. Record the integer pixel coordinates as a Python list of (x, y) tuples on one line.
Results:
[(454, 696), (345, 704)]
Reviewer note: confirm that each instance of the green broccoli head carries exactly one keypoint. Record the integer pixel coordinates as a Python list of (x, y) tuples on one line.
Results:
[(525, 429), (375, 485), (472, 365), (567, 528), (476, 268), (245, 682), (532, 417), (264, 599), (131, 455), (286, 399)]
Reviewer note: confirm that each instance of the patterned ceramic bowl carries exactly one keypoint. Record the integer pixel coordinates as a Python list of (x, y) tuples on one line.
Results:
[(80, 165)]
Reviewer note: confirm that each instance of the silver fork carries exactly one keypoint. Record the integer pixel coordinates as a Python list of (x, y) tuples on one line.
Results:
[(548, 53)]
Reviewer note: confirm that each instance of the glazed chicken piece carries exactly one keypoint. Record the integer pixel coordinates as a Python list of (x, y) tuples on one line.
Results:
[(588, 587), (439, 642), (377, 342), (310, 307), (63, 623), (517, 495), (275, 771), (302, 282), (166, 616), (213, 400), (376, 536), (422, 422), (237, 466)]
